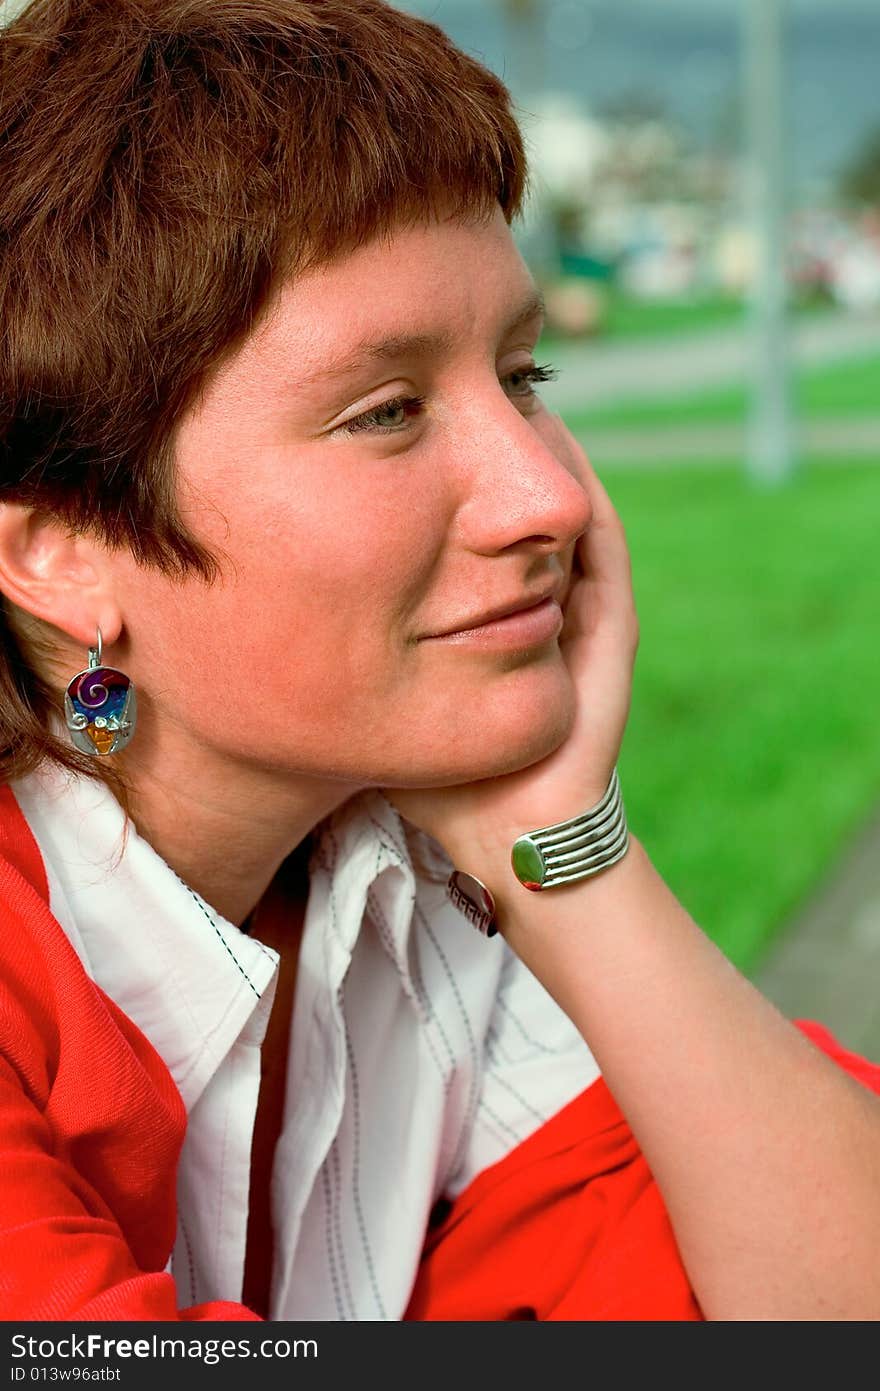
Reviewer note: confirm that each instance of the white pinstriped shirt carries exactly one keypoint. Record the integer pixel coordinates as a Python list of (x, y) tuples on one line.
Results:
[(421, 1052)]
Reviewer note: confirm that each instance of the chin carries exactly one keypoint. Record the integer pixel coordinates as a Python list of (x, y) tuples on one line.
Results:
[(523, 746), (511, 730)]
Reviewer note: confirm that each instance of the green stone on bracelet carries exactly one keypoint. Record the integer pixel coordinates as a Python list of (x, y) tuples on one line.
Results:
[(528, 862)]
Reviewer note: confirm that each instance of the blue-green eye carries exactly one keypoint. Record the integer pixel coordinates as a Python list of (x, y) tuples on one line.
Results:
[(530, 376), (377, 418), (392, 416)]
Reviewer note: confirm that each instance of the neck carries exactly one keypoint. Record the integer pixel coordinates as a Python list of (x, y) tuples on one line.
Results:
[(224, 826)]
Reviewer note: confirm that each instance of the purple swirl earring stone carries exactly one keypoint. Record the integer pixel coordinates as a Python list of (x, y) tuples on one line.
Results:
[(101, 709)]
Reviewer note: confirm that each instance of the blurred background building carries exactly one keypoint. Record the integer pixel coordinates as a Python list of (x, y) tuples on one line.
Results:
[(636, 120)]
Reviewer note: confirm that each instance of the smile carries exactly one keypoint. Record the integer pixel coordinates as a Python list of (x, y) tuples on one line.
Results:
[(526, 628)]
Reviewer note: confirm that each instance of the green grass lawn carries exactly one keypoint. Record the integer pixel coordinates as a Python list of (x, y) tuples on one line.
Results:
[(625, 317), (753, 749), (849, 388), (638, 318), (628, 317)]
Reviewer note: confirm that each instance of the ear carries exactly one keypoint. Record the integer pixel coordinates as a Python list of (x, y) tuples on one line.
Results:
[(55, 575)]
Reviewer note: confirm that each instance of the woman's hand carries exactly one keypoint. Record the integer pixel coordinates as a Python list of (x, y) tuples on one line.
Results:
[(598, 643)]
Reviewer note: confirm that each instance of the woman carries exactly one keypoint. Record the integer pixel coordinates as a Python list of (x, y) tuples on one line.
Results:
[(358, 616)]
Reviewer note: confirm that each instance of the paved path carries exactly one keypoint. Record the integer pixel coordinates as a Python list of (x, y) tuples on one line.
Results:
[(858, 439), (597, 373), (826, 964)]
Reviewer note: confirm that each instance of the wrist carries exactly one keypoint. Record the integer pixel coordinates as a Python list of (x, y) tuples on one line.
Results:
[(521, 914), (565, 853)]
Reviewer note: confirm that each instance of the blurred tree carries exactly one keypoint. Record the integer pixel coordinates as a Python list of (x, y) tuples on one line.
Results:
[(860, 181), (522, 9), (634, 107), (527, 25)]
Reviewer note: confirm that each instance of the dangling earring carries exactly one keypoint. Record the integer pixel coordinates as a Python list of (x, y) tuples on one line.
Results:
[(100, 706)]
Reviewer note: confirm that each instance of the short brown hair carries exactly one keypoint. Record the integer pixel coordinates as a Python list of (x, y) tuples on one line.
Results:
[(162, 164)]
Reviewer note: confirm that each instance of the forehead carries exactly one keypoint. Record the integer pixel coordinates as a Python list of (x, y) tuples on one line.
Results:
[(433, 280)]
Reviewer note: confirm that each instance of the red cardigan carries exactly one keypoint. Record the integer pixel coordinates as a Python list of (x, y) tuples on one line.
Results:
[(569, 1225)]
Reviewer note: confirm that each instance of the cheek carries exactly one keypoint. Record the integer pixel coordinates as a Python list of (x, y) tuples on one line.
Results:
[(339, 561), (326, 588)]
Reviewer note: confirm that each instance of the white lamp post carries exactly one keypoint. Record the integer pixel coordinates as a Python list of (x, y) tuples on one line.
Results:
[(770, 444)]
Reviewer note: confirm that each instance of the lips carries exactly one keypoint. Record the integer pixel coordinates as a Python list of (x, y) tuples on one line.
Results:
[(520, 605)]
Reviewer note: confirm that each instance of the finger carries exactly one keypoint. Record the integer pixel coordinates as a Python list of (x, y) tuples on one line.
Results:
[(601, 549), (600, 599)]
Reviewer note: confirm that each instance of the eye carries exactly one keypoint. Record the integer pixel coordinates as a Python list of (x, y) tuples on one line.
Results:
[(391, 417), (387, 418), (529, 376)]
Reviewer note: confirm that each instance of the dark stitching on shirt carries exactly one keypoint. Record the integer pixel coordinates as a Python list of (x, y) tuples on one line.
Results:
[(331, 1254), (331, 896), (387, 842), (470, 1109), (331, 836), (502, 1124), (265, 950), (430, 1011), (355, 1177), (337, 1174), (220, 1185), (514, 1019), (380, 922), (521, 1099), (393, 843), (331, 1210), (189, 1257), (388, 845), (495, 1049), (220, 935), (427, 1014)]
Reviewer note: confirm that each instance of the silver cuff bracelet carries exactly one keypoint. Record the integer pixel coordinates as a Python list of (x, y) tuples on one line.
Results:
[(552, 855), (576, 848)]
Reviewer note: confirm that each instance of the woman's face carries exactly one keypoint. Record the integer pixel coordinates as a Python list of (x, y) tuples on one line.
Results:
[(353, 528)]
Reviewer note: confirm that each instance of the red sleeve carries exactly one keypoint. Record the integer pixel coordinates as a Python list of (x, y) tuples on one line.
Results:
[(91, 1126), (569, 1225), (62, 1252)]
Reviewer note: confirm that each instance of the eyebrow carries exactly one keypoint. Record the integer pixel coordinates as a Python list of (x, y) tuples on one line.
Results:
[(400, 345)]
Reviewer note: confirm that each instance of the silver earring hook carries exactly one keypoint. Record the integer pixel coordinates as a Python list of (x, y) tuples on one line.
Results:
[(95, 653)]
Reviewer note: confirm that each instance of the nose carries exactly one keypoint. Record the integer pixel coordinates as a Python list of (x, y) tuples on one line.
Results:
[(522, 488)]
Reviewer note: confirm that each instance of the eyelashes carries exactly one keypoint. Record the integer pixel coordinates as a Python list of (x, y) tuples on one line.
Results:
[(534, 374), (375, 420), (371, 420)]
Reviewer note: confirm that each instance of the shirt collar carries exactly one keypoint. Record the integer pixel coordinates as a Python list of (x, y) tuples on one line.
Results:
[(376, 858), (188, 978), (184, 974)]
